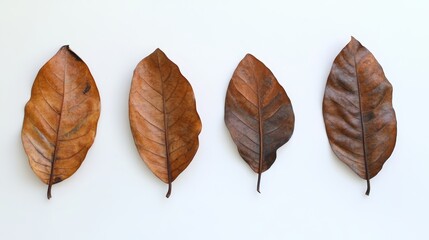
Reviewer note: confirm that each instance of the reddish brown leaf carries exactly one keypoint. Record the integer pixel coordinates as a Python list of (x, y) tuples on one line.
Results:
[(258, 114), (163, 117), (61, 117), (357, 109)]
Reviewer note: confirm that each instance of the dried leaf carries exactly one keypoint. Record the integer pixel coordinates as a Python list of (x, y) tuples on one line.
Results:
[(61, 117), (258, 114), (357, 109), (163, 117)]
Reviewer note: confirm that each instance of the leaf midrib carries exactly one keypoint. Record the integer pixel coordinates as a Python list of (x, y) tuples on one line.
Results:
[(51, 177), (167, 145), (362, 124)]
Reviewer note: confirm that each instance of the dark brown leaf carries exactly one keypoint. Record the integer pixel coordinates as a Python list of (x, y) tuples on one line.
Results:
[(258, 114), (163, 117), (357, 109), (61, 117)]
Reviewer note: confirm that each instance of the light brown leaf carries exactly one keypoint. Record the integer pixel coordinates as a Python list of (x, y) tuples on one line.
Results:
[(163, 117)]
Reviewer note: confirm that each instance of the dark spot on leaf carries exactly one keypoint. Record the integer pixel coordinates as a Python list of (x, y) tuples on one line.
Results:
[(368, 116), (57, 180), (87, 88)]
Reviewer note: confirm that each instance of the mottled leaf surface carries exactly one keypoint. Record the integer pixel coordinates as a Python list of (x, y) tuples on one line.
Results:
[(258, 114), (357, 109)]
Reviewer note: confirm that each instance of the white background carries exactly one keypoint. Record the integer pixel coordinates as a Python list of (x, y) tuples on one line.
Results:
[(307, 194)]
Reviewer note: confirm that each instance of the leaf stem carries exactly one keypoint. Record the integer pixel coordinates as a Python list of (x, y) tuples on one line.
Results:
[(169, 190), (49, 191), (368, 187)]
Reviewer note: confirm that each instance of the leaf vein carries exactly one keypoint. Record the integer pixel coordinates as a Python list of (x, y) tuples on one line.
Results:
[(43, 96), (149, 121)]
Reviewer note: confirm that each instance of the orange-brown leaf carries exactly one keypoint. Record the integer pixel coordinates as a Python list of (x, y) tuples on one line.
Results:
[(61, 117), (163, 117)]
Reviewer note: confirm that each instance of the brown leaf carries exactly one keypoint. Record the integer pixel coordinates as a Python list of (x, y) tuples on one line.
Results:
[(163, 117), (61, 117), (257, 110), (357, 109)]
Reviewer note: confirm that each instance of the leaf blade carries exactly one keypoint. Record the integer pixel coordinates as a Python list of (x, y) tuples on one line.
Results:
[(358, 96), (173, 120), (54, 118), (256, 104)]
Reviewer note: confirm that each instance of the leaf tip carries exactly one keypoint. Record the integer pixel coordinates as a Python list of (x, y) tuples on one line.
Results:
[(65, 47), (159, 54), (354, 41), (158, 51), (249, 55)]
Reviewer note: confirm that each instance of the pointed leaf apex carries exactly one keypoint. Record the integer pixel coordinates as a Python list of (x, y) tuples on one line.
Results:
[(250, 56), (158, 51), (354, 41)]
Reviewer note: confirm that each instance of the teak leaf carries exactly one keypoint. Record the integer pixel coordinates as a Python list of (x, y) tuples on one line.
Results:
[(258, 114), (357, 109), (163, 117), (61, 117)]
